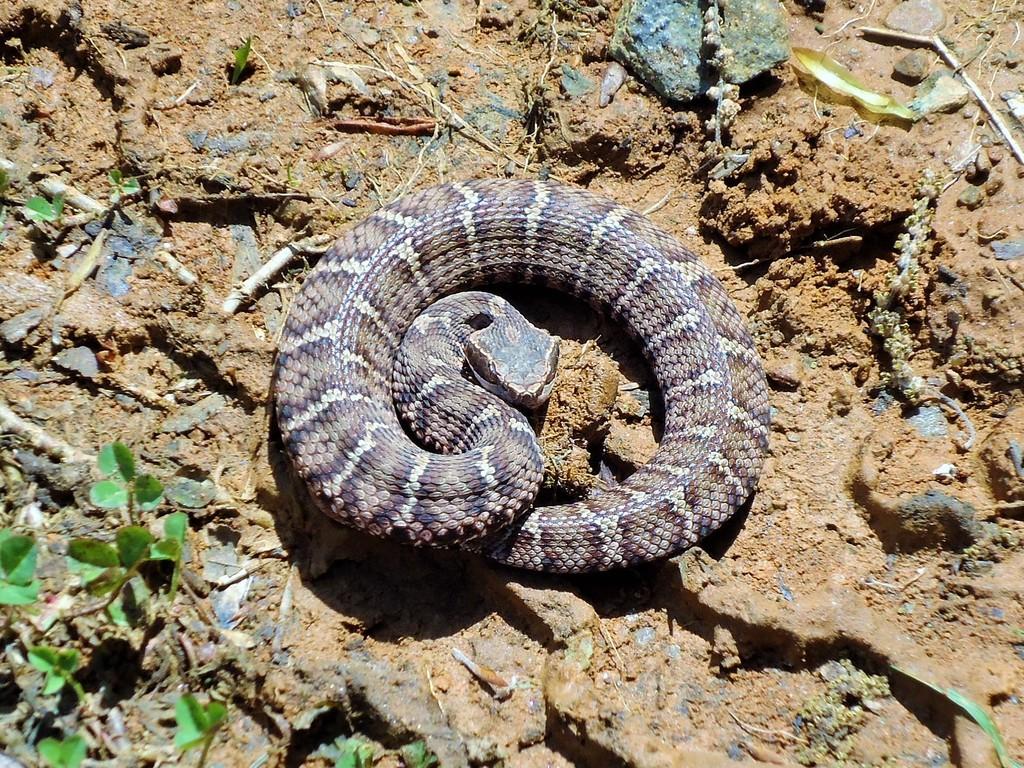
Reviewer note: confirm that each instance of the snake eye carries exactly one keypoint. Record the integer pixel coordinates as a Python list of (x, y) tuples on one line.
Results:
[(479, 321)]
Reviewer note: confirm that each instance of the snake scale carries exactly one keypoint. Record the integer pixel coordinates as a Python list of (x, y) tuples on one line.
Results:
[(335, 380)]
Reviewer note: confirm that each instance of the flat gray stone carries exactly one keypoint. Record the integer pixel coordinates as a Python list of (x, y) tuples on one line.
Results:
[(941, 92), (80, 360), (193, 415), (1008, 251), (16, 328), (757, 33), (659, 41), (929, 421), (918, 17)]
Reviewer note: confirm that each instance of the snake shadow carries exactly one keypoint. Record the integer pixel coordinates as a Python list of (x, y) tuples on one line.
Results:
[(390, 592)]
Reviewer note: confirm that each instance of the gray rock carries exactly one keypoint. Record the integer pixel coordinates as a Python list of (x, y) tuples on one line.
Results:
[(660, 42), (941, 92), (1008, 251), (80, 360), (913, 68), (757, 33), (193, 494), (972, 197), (919, 17), (16, 328), (929, 421), (937, 517), (575, 83), (194, 415), (644, 636)]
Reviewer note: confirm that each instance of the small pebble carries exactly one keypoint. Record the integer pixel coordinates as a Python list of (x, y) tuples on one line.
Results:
[(919, 17), (193, 415), (993, 185), (971, 198), (929, 421), (913, 68), (1008, 251), (80, 360), (21, 325), (644, 635), (612, 79), (40, 76)]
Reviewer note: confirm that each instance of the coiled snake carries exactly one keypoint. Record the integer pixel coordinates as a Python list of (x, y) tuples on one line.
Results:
[(337, 379)]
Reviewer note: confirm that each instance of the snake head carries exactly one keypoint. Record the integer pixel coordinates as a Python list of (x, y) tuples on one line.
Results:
[(515, 360)]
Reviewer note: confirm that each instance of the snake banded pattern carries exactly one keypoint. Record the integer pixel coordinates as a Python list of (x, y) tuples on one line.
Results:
[(334, 379)]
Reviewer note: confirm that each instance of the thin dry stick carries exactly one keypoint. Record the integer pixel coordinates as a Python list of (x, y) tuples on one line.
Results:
[(12, 423), (165, 257), (53, 186), (454, 119), (775, 735), (400, 126), (658, 205), (935, 43), (277, 262)]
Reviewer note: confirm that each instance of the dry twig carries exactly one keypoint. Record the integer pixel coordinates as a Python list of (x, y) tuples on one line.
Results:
[(500, 687), (389, 126), (277, 262), (12, 423), (935, 43)]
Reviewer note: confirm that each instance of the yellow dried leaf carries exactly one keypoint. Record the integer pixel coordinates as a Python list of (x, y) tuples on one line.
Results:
[(833, 78)]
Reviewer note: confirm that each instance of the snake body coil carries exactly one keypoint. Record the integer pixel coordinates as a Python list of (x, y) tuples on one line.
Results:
[(334, 380)]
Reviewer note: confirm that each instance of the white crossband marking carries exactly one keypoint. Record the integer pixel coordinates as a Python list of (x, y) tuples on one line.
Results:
[(366, 309), (349, 266), (710, 378), (647, 268), (489, 412), (689, 320), (328, 398), (518, 426), (535, 210), (608, 223), (405, 222), (485, 466), (365, 444), (723, 466), (472, 200), (412, 485), (741, 416), (425, 392)]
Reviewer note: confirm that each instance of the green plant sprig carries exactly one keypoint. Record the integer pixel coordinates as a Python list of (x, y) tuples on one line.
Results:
[(106, 569), (241, 56), (18, 585), (63, 753), (197, 725), (123, 488), (39, 209), (122, 186), (59, 666)]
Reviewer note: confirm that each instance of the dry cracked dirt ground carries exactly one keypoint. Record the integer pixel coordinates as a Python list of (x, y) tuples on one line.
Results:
[(883, 545)]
